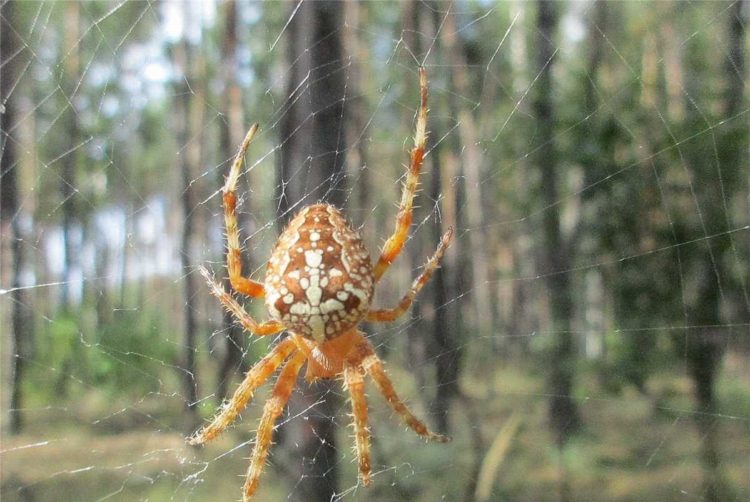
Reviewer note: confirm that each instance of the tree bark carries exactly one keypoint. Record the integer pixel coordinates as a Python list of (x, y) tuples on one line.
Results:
[(68, 176), (13, 57), (415, 20), (445, 348), (187, 120), (312, 168), (471, 162), (231, 133), (358, 158), (735, 62), (716, 183), (556, 258)]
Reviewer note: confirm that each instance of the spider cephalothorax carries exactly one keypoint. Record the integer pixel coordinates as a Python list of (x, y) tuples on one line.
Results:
[(319, 286)]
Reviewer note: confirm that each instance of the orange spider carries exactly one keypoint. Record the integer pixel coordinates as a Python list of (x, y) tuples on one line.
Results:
[(319, 285)]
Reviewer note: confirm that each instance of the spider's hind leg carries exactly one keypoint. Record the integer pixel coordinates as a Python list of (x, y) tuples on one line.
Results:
[(355, 384), (374, 367), (254, 378), (271, 411)]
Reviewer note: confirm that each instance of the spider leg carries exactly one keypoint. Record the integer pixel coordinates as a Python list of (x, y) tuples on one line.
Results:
[(229, 303), (271, 411), (241, 284), (395, 242), (374, 367), (254, 378), (354, 382), (385, 315)]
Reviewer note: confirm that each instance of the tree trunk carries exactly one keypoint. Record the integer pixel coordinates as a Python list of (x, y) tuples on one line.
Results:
[(186, 119), (522, 320), (312, 168), (716, 184), (445, 348), (471, 162), (68, 192), (358, 159), (596, 294), (556, 259), (735, 63), (415, 17), (231, 133), (13, 58), (68, 176)]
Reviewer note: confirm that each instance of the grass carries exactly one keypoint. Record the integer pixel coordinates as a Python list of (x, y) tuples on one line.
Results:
[(633, 447)]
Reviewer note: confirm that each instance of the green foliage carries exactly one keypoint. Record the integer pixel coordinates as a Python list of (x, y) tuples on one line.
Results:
[(130, 354), (60, 339), (126, 355)]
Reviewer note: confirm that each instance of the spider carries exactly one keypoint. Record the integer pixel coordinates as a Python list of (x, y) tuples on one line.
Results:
[(319, 286)]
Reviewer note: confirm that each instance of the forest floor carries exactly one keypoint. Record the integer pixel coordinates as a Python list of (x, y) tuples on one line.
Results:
[(634, 446)]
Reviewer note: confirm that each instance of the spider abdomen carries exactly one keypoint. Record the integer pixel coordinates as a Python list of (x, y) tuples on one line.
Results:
[(319, 280)]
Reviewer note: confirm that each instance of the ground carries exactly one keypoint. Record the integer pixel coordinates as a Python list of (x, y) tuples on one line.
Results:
[(634, 447)]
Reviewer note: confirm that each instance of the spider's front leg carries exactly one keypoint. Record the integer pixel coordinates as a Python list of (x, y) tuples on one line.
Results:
[(240, 283), (386, 315), (395, 242), (229, 303)]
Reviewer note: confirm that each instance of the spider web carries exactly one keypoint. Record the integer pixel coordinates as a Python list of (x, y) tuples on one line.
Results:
[(104, 369)]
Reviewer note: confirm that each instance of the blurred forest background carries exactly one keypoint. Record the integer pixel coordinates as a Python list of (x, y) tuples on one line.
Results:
[(588, 337)]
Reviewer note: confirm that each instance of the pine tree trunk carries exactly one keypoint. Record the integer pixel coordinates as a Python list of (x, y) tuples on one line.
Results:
[(358, 158), (68, 176), (415, 19), (12, 60), (232, 129), (556, 258), (446, 342), (716, 185), (188, 156), (312, 168), (471, 162)]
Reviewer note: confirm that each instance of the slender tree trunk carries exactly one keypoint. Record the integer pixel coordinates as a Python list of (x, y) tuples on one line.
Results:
[(471, 161), (125, 252), (231, 133), (313, 168), (556, 259), (68, 182), (415, 17), (735, 64), (358, 159), (68, 176), (313, 154), (445, 348), (596, 294), (716, 184), (522, 319), (12, 60), (189, 156), (102, 298)]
